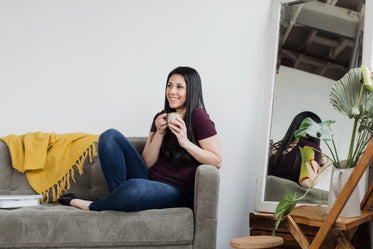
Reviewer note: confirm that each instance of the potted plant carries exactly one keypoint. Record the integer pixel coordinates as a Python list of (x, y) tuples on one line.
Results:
[(352, 95)]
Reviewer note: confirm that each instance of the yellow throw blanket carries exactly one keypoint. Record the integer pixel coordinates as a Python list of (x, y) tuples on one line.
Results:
[(48, 159)]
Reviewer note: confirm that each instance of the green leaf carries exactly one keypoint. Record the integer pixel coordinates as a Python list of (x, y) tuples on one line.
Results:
[(284, 207), (317, 130), (308, 154), (345, 94)]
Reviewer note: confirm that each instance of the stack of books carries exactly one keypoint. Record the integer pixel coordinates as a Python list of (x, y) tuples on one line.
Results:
[(16, 201)]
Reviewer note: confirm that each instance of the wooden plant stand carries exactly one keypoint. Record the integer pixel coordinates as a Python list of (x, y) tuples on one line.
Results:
[(315, 216), (263, 224)]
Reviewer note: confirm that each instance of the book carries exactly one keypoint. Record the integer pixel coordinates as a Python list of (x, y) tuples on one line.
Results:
[(16, 201)]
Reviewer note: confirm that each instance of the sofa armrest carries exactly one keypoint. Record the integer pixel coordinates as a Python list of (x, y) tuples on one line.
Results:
[(206, 196)]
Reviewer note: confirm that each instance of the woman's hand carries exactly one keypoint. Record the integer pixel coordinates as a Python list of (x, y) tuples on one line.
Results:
[(325, 165), (178, 128), (313, 171), (161, 124)]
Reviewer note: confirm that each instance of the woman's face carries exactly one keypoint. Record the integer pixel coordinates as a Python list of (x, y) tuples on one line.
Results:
[(177, 92)]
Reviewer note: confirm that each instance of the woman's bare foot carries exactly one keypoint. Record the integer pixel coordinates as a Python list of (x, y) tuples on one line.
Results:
[(79, 203)]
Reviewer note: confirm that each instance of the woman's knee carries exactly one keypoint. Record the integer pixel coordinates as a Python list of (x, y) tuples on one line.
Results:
[(110, 133), (109, 136), (106, 140)]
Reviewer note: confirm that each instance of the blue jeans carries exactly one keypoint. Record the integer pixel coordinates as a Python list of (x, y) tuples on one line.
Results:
[(128, 179)]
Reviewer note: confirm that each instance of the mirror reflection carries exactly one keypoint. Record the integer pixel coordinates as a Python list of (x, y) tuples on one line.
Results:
[(322, 37), (319, 42)]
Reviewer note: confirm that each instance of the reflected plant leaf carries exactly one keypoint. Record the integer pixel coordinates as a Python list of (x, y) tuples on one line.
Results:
[(308, 154), (318, 130)]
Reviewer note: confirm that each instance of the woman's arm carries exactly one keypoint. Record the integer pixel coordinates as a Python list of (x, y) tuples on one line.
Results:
[(154, 141), (210, 151), (152, 149)]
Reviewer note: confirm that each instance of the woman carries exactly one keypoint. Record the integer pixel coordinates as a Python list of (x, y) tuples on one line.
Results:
[(164, 176), (286, 160)]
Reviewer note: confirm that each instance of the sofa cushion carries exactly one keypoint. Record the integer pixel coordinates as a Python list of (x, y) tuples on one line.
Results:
[(52, 225), (277, 187), (12, 182)]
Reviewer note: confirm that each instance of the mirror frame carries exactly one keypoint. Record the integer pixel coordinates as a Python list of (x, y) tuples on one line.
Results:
[(367, 59)]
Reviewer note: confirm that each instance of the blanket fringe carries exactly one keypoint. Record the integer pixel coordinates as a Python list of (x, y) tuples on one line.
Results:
[(53, 193)]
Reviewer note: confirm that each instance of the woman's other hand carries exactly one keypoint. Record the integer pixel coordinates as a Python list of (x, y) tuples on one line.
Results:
[(313, 171), (323, 166), (161, 124)]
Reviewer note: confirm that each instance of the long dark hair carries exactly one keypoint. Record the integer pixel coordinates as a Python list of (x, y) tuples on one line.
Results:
[(194, 99), (289, 138)]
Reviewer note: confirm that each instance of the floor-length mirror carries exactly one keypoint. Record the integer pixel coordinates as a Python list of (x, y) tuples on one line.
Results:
[(315, 44)]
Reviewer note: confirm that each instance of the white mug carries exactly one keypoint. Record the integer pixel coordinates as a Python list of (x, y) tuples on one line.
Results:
[(171, 117)]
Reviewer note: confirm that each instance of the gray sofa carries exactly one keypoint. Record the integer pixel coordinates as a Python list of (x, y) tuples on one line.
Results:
[(277, 187), (56, 226)]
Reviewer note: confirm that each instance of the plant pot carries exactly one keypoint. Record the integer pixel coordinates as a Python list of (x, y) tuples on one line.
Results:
[(338, 180)]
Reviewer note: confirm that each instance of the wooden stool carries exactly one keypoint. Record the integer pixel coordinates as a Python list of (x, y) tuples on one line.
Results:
[(256, 242)]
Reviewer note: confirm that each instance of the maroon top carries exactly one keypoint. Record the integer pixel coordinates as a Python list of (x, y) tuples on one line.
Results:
[(165, 170)]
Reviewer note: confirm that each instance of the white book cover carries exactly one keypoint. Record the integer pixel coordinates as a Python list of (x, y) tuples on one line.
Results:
[(14, 201)]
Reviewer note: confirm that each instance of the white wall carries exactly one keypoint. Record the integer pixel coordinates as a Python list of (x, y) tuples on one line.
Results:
[(89, 65)]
